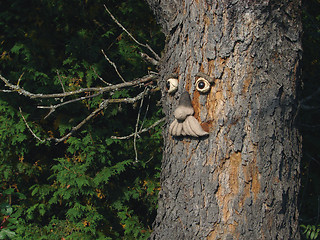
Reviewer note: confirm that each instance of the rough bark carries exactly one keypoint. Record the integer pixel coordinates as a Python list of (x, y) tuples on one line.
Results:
[(242, 181)]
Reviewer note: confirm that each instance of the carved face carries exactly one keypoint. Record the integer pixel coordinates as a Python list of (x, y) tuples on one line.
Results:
[(185, 123)]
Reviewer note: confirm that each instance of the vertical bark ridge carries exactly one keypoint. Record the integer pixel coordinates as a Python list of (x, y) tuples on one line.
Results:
[(241, 182)]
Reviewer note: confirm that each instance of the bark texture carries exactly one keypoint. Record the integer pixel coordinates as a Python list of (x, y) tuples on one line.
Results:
[(241, 181)]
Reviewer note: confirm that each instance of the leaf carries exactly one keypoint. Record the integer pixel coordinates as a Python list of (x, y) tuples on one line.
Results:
[(9, 191), (16, 48), (6, 233), (308, 234), (6, 209), (35, 190)]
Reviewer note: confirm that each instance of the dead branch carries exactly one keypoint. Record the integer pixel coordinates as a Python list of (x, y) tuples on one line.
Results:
[(60, 81), (102, 80), (54, 107), (21, 91), (25, 121), (74, 129), (149, 59), (141, 131), (6, 91), (113, 65), (137, 124), (102, 105), (130, 35), (145, 114)]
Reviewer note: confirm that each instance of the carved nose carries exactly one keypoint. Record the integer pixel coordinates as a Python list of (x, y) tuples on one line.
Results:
[(182, 112)]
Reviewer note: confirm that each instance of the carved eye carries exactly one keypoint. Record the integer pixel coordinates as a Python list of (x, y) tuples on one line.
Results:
[(172, 85), (203, 85)]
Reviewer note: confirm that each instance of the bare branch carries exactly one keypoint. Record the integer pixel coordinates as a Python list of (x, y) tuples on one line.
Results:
[(141, 131), (54, 107), (149, 59), (136, 82), (113, 65), (99, 90), (145, 114), (60, 81), (20, 79), (109, 84), (137, 125), (127, 100), (16, 87), (7, 91), (25, 121), (130, 35), (74, 129), (103, 105)]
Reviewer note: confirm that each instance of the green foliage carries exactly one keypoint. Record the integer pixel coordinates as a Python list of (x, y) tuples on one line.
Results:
[(90, 186), (311, 231)]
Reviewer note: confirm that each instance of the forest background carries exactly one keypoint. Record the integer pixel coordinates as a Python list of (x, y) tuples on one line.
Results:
[(102, 181)]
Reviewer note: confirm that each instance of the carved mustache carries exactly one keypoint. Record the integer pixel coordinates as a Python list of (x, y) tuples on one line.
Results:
[(185, 124)]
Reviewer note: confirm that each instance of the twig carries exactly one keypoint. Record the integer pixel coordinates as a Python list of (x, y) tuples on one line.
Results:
[(49, 113), (130, 35), (149, 59), (6, 91), (137, 124), (92, 89), (60, 81), (15, 87), (54, 107), (109, 84), (25, 121), (20, 79), (141, 131), (145, 114), (127, 100), (113, 65), (58, 140)]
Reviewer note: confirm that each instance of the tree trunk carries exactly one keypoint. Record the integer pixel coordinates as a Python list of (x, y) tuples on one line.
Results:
[(242, 180)]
